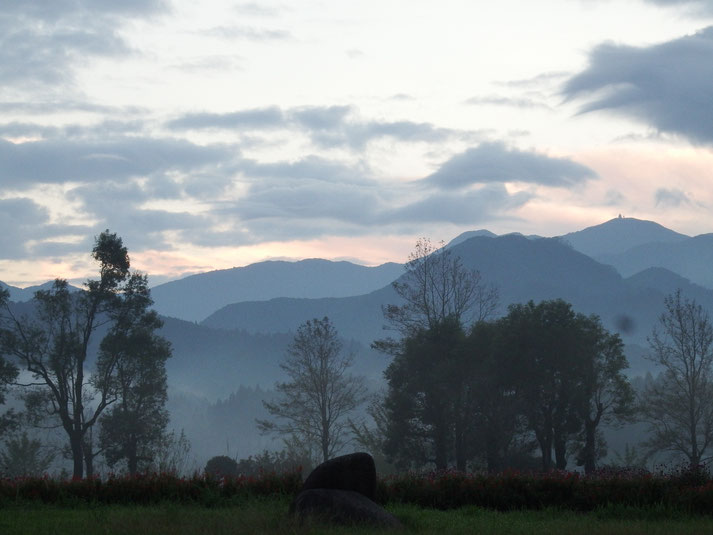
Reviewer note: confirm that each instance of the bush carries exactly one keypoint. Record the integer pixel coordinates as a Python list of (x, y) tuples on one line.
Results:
[(276, 462), (221, 466), (147, 489)]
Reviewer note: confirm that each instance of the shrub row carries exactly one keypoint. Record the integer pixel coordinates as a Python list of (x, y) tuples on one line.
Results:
[(150, 488), (688, 490)]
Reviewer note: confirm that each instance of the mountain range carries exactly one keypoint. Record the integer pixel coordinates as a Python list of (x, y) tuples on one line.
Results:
[(231, 327), (195, 297)]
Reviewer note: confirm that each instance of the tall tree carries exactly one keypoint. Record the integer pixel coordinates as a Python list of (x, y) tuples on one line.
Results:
[(53, 342), (679, 405), (550, 360), (314, 404), (132, 429), (440, 298)]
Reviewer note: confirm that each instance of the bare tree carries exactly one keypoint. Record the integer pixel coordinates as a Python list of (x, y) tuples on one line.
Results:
[(437, 286), (314, 404), (679, 405)]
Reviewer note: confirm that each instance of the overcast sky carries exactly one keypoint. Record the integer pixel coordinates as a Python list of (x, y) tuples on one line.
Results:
[(216, 134)]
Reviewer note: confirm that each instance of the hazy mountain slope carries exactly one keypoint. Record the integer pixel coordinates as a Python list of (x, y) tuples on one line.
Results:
[(522, 269), (20, 295), (358, 317), (618, 235), (196, 297), (691, 258), (14, 291), (213, 362)]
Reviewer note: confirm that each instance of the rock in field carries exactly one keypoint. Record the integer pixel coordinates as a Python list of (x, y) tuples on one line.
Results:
[(355, 471), (344, 507)]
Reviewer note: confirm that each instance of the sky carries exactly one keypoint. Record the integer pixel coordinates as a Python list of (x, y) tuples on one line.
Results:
[(220, 133)]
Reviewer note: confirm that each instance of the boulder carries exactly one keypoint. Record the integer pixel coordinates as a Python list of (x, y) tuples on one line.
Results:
[(344, 507), (355, 472)]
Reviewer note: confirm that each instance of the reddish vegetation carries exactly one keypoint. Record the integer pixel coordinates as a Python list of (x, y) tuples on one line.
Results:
[(690, 490)]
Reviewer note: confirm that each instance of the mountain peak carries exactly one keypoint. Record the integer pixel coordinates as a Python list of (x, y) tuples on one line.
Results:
[(470, 234), (620, 234)]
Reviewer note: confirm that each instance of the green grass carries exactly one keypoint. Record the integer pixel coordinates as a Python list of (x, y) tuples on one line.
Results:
[(268, 516)]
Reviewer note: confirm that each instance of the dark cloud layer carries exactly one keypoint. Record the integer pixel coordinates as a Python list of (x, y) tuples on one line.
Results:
[(57, 161), (495, 163), (471, 207), (667, 86), (26, 229), (41, 41)]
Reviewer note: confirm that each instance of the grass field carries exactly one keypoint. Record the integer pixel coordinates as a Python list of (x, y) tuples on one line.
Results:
[(269, 516)]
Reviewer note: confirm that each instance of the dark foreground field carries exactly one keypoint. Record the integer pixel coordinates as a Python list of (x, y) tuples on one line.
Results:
[(268, 516)]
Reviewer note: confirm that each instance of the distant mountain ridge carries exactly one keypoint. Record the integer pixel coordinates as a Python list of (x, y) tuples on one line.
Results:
[(21, 295), (196, 297), (691, 258), (523, 269)]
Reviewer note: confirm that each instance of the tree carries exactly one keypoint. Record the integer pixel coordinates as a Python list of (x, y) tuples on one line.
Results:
[(678, 406), (425, 398), (24, 457), (315, 402), (430, 409), (495, 408), (221, 466), (568, 374), (609, 398), (8, 374), (53, 342), (173, 454), (131, 430), (437, 286)]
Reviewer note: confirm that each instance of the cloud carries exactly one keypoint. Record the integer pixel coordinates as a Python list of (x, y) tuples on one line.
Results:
[(26, 229), (327, 126), (310, 167), (120, 206), (256, 9), (297, 206), (667, 86), (523, 103), (257, 118), (495, 163), (460, 208), (248, 33), (695, 6), (673, 197), (40, 42), (103, 129), (57, 161)]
